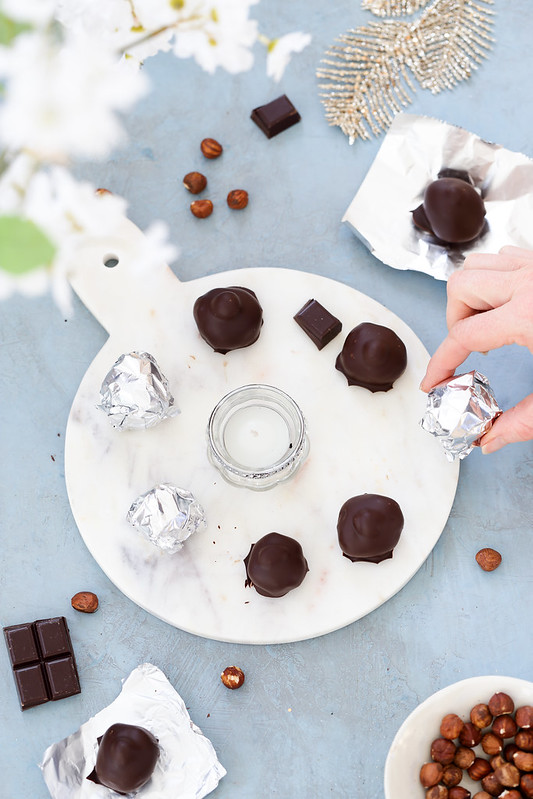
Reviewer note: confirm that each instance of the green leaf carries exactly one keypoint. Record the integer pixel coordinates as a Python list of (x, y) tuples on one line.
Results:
[(23, 246), (9, 29)]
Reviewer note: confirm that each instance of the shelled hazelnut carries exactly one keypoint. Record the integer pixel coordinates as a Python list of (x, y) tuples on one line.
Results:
[(526, 785), (504, 726), (497, 761), (500, 703), (491, 785), (451, 775), (481, 795), (524, 740), (509, 751), (464, 757), (442, 751), (491, 744), (450, 726), (211, 148), (470, 735), (437, 792), (479, 769), (195, 182), (524, 717), (202, 208), (481, 716), (507, 775), (458, 792), (523, 760), (431, 774)]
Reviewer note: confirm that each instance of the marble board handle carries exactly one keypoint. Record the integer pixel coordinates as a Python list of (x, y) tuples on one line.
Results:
[(116, 291)]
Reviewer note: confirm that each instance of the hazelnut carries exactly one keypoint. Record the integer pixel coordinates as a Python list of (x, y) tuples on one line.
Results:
[(508, 775), (458, 792), (512, 794), (430, 774), (211, 148), (232, 677), (202, 208), (524, 717), (479, 769), (500, 703), (491, 785), (480, 716), (504, 726), (497, 761), (491, 744), (469, 735), (509, 751), (237, 199), (488, 559), (450, 726), (481, 795), (523, 760), (464, 757), (195, 182), (437, 792), (524, 740), (452, 775), (442, 751), (102, 192), (526, 785), (85, 602)]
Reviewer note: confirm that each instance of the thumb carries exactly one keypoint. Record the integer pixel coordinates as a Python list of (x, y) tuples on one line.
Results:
[(513, 425)]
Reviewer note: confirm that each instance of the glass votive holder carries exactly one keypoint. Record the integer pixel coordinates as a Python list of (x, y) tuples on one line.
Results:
[(256, 436)]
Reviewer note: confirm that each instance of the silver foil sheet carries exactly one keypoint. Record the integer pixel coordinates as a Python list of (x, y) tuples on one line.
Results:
[(187, 768), (413, 152), (166, 516), (459, 412), (135, 393)]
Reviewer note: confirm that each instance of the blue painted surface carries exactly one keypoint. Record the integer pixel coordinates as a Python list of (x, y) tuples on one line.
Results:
[(315, 718)]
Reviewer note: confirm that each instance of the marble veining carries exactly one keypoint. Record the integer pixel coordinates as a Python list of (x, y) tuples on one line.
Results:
[(359, 442)]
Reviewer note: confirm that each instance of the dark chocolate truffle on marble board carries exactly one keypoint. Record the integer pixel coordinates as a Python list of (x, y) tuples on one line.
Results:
[(228, 318), (127, 756), (369, 527), (372, 357), (275, 565), (452, 210)]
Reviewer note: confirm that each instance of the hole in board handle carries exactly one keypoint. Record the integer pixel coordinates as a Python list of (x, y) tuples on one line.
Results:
[(110, 260)]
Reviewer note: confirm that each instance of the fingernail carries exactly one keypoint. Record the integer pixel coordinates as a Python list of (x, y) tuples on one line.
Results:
[(493, 446)]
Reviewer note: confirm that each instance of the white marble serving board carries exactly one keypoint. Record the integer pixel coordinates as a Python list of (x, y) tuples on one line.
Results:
[(360, 442)]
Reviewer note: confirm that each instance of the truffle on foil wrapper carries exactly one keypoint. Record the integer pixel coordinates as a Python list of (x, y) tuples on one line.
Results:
[(414, 151), (167, 516), (459, 412), (135, 394), (187, 768)]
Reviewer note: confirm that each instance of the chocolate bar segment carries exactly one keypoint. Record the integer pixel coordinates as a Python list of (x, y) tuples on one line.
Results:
[(43, 661), (318, 323), (276, 116)]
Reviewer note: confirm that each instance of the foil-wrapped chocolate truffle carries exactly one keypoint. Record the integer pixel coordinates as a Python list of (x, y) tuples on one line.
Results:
[(275, 565), (135, 393), (452, 210), (373, 357), (166, 516), (228, 318), (369, 527), (127, 756), (459, 412)]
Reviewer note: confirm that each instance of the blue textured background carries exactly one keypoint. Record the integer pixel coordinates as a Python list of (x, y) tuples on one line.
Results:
[(316, 718)]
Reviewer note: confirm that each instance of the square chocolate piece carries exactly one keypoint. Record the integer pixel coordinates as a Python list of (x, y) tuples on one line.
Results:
[(318, 323), (276, 116), (42, 660)]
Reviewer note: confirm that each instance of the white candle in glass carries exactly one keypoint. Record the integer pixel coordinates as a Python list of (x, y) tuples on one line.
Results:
[(256, 436)]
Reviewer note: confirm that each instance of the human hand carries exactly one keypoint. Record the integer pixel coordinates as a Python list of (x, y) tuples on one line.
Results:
[(490, 303)]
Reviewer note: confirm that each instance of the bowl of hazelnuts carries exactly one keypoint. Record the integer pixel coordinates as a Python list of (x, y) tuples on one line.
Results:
[(471, 740)]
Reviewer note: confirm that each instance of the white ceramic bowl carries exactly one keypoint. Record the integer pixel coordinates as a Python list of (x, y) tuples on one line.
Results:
[(411, 745)]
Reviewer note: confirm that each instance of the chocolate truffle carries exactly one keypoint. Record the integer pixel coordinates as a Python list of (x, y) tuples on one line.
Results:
[(369, 527), (229, 318), (127, 756), (372, 357), (452, 211), (275, 565)]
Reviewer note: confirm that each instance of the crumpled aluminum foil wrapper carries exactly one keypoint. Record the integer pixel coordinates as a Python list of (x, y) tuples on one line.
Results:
[(135, 394), (459, 412), (166, 516), (413, 152), (187, 768)]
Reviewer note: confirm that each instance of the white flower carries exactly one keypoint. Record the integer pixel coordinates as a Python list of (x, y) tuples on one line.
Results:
[(62, 103), (34, 12), (280, 51), (222, 36)]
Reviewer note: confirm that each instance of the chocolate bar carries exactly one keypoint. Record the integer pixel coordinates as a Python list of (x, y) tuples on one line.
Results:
[(318, 323), (42, 660), (276, 116)]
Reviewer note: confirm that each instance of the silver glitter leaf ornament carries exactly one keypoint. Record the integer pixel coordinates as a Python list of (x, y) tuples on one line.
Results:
[(369, 71)]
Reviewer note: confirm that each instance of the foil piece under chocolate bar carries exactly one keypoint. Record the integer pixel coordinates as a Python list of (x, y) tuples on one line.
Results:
[(167, 516), (135, 393), (187, 766), (459, 412), (412, 154)]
